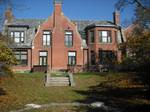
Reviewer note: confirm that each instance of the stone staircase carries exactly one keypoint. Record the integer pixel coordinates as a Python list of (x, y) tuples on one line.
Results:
[(59, 79)]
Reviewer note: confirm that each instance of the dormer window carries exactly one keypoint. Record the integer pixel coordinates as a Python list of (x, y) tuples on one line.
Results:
[(18, 36)]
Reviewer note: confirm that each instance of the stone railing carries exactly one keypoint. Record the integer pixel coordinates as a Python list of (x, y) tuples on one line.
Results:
[(59, 79), (72, 83)]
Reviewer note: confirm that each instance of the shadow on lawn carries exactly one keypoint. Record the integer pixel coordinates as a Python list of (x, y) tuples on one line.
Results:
[(117, 98), (2, 92)]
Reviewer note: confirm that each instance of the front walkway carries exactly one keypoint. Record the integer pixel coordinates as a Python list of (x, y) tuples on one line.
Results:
[(100, 105)]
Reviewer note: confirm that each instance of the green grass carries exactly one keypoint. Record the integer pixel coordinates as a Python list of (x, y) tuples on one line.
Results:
[(27, 88)]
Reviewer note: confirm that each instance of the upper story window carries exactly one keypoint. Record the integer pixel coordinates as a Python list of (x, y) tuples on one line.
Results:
[(68, 38), (46, 38), (18, 36), (92, 39), (105, 36)]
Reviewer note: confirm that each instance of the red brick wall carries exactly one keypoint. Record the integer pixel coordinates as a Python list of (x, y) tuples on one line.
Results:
[(104, 46), (58, 52)]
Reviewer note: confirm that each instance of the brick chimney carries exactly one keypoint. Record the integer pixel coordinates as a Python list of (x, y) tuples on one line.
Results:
[(57, 11), (116, 16), (57, 5), (9, 15)]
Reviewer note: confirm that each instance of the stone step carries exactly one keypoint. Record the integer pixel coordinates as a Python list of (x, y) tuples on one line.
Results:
[(61, 78), (58, 84), (58, 81)]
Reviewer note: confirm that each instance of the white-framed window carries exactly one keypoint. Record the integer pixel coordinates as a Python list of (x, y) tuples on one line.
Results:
[(69, 38), (46, 38), (105, 36), (43, 57), (22, 57), (18, 36), (71, 58)]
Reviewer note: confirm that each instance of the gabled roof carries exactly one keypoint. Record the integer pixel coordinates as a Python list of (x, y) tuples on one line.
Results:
[(102, 24), (27, 22), (81, 24), (32, 25)]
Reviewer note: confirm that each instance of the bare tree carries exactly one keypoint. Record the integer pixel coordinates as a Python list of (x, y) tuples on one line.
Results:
[(142, 11), (10, 4)]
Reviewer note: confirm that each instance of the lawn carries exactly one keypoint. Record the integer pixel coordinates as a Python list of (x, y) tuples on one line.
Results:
[(119, 90)]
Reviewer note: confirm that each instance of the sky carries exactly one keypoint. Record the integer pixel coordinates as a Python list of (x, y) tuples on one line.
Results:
[(74, 9)]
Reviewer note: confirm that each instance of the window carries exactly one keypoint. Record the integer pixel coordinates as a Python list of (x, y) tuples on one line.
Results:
[(106, 57), (46, 38), (105, 36), (43, 58), (92, 39), (72, 58), (68, 38), (21, 57), (116, 36), (93, 58), (18, 36)]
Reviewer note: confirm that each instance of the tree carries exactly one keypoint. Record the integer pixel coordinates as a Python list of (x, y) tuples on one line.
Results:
[(7, 57), (138, 42), (142, 11), (10, 4)]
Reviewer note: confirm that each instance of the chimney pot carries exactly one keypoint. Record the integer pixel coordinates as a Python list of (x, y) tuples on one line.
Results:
[(116, 16)]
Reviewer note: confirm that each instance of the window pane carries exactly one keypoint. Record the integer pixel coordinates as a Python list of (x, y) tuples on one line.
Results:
[(22, 34), (23, 52), (48, 37), (17, 34), (44, 61), (24, 57), (43, 53), (70, 33), (46, 32), (23, 62), (109, 39), (73, 61), (44, 39), (17, 40), (72, 54), (104, 39), (92, 36), (17, 57), (11, 34), (104, 33), (40, 60)]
